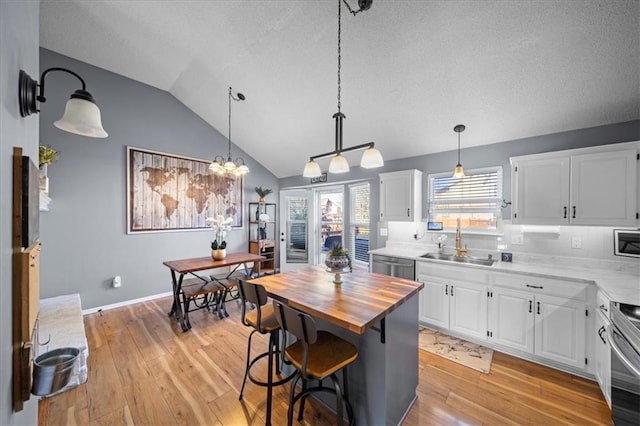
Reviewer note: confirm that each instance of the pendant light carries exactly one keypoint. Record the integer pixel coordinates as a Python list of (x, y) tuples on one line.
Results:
[(371, 157), (222, 165), (459, 171)]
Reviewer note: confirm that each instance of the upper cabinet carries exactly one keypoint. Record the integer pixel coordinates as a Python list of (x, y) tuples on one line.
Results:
[(401, 196), (589, 186)]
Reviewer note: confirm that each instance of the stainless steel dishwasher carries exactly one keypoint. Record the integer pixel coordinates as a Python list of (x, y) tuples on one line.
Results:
[(393, 266)]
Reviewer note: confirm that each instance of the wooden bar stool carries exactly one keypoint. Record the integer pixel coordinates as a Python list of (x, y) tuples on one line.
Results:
[(316, 355), (202, 293), (263, 320)]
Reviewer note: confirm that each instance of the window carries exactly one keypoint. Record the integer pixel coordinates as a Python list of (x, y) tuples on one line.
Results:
[(359, 224), (474, 199)]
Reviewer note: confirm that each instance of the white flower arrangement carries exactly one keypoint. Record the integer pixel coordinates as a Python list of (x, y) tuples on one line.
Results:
[(220, 227)]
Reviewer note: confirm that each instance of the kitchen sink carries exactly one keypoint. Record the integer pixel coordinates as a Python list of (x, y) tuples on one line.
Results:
[(462, 259)]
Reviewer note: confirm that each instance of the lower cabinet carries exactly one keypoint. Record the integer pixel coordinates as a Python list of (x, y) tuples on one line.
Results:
[(455, 305), (547, 318)]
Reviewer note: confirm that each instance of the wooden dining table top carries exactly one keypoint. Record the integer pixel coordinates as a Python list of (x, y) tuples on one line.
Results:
[(361, 301), (184, 266)]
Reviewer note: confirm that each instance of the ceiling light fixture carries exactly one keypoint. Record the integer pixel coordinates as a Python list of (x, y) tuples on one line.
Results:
[(459, 171), (371, 157), (222, 165), (81, 114)]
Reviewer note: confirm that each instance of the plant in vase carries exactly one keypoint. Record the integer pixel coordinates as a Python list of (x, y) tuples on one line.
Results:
[(46, 156), (220, 227), (262, 193), (337, 259)]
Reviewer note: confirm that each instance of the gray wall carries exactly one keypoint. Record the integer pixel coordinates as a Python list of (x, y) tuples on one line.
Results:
[(19, 40), (84, 234), (478, 157)]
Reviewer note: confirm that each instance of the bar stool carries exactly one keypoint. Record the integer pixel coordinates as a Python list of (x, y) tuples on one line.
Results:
[(263, 320), (316, 355)]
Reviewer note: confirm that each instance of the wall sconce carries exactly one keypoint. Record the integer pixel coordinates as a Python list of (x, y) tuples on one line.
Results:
[(81, 114)]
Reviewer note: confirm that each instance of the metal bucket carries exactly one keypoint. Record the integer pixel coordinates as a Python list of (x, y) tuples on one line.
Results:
[(52, 370)]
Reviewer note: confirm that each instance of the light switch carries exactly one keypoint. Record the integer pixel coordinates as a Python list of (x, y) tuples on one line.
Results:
[(384, 232), (576, 242)]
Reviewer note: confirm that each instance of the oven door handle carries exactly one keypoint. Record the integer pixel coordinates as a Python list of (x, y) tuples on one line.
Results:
[(614, 338)]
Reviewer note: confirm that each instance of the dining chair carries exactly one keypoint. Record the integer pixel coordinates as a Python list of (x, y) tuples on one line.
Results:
[(263, 321), (316, 355)]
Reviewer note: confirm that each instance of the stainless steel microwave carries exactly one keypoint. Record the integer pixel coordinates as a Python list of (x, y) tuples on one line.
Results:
[(626, 242)]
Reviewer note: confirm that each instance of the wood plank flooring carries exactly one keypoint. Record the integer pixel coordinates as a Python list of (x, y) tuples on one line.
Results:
[(143, 370)]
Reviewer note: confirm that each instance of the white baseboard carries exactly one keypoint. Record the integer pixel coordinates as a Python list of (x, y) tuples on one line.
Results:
[(125, 303)]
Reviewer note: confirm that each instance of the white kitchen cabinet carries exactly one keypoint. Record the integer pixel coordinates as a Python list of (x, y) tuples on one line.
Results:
[(454, 299), (560, 330), (434, 301), (468, 309), (541, 316), (401, 196), (603, 350), (588, 186), (512, 319)]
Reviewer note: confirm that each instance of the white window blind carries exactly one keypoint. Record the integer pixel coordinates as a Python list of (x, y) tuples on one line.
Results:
[(359, 224), (474, 199)]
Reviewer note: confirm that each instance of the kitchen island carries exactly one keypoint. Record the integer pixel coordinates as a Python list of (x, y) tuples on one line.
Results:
[(379, 315)]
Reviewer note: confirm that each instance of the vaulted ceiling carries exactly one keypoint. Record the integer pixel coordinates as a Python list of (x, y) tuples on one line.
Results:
[(411, 70)]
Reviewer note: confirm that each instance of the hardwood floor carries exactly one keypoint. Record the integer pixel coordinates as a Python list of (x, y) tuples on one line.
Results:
[(144, 371)]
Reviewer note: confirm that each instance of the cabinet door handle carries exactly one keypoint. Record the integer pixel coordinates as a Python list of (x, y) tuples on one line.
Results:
[(530, 306), (451, 290), (600, 331), (574, 212), (538, 307), (408, 214), (535, 286), (446, 290), (565, 212), (603, 308)]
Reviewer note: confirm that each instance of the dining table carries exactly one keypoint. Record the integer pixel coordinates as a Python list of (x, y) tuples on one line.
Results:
[(183, 267), (379, 315)]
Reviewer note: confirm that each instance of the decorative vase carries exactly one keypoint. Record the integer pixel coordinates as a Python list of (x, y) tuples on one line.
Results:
[(219, 254), (336, 264)]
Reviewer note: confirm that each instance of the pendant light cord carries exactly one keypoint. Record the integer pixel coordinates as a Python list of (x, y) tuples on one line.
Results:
[(339, 50), (458, 147), (229, 124)]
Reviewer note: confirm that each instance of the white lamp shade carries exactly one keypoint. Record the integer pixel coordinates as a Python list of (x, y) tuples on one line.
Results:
[(229, 165), (371, 158), (214, 166), (311, 169), (243, 169), (338, 164), (82, 118), (458, 172)]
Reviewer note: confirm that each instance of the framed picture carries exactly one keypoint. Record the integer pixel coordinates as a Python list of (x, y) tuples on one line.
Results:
[(167, 192)]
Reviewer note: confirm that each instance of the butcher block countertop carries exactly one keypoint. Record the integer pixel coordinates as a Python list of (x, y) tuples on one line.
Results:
[(361, 301)]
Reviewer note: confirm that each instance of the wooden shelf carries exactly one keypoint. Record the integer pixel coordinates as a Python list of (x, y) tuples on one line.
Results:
[(263, 246)]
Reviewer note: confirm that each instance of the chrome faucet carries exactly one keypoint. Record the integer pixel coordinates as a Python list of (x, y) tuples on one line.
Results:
[(460, 251)]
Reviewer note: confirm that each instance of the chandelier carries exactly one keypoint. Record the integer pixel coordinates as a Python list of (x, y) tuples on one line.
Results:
[(226, 165), (371, 157)]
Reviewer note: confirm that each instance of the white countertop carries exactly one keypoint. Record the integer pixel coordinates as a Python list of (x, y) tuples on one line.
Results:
[(620, 281)]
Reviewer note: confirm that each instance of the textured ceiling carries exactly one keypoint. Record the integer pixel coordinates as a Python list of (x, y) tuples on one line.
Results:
[(411, 70)]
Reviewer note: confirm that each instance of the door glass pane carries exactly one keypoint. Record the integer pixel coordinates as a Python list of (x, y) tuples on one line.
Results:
[(331, 206), (297, 236)]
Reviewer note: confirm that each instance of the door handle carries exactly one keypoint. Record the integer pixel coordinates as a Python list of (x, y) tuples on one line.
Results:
[(535, 286), (446, 290), (408, 215), (603, 308), (600, 331), (451, 290), (574, 212), (530, 306), (565, 212), (538, 307)]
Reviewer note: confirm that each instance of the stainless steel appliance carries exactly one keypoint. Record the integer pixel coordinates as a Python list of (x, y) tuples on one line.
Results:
[(393, 266), (626, 242), (624, 338)]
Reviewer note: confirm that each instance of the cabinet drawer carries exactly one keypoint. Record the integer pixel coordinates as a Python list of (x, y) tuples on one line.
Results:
[(538, 285), (459, 273), (602, 304)]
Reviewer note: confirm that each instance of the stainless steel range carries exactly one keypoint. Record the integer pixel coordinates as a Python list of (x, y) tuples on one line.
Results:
[(624, 337)]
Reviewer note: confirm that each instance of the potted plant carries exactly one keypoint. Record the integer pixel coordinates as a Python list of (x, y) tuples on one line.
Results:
[(262, 193), (337, 259), (46, 155), (220, 226)]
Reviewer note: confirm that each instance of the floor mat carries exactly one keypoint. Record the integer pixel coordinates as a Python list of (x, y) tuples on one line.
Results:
[(457, 350)]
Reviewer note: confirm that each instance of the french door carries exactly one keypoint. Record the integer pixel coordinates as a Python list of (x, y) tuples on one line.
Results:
[(295, 223)]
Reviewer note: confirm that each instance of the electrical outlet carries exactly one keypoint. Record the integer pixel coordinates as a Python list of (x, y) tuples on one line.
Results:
[(384, 232), (117, 282), (517, 239), (576, 243)]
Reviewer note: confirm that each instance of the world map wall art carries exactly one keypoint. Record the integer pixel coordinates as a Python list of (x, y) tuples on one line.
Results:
[(166, 192)]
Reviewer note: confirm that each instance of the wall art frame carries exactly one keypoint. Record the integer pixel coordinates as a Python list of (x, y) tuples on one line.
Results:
[(172, 193)]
